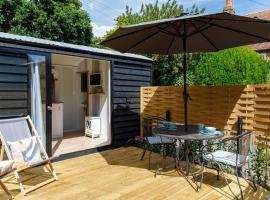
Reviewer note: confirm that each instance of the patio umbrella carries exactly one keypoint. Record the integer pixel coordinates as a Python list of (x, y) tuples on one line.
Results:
[(190, 34)]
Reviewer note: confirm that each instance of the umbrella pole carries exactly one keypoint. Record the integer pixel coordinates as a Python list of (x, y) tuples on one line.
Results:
[(185, 92)]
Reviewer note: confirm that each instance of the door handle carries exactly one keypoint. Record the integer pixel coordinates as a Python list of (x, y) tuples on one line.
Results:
[(49, 107)]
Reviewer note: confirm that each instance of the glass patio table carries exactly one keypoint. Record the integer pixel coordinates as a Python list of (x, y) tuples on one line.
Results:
[(190, 136)]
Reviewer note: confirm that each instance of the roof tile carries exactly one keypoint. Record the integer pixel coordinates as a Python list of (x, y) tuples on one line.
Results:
[(262, 47)]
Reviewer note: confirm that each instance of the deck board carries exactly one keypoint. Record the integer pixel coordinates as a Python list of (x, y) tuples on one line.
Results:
[(119, 174)]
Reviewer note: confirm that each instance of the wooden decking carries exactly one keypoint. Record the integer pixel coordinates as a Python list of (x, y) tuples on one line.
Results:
[(74, 142), (119, 174)]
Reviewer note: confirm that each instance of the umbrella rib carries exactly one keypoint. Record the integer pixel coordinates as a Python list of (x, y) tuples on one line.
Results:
[(171, 33), (200, 32), (255, 21), (177, 29), (173, 38), (232, 29), (201, 28), (149, 36), (168, 32), (137, 31)]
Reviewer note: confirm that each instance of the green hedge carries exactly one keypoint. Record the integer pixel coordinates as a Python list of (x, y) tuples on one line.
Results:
[(234, 66)]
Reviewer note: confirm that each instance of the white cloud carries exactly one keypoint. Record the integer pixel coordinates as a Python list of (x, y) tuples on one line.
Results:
[(91, 5), (100, 30), (87, 5)]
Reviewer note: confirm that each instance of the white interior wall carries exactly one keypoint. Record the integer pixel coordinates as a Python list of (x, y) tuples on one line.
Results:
[(68, 91), (99, 104)]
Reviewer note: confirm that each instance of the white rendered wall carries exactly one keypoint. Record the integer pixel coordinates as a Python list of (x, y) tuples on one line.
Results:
[(68, 91), (99, 104), (105, 102)]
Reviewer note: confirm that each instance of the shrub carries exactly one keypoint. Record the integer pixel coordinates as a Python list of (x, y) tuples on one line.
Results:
[(260, 164), (231, 67)]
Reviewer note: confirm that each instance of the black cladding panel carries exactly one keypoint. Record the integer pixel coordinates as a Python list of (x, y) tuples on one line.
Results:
[(14, 85), (127, 78)]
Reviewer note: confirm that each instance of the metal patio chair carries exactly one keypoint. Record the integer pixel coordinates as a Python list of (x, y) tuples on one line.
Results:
[(150, 141), (240, 161)]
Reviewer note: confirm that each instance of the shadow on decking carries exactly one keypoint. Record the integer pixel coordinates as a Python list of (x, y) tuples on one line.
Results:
[(131, 158), (120, 174), (29, 178)]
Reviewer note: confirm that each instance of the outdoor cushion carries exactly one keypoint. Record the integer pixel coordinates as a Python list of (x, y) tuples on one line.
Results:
[(5, 166), (25, 151), (225, 157), (159, 140)]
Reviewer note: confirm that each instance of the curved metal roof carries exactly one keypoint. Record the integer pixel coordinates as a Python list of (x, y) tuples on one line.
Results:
[(7, 37)]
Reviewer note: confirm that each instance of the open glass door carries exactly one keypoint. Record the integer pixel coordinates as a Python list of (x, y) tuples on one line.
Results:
[(25, 89), (40, 90)]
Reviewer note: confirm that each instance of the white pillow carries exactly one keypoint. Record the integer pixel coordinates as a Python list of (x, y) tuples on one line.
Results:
[(5, 166), (25, 151)]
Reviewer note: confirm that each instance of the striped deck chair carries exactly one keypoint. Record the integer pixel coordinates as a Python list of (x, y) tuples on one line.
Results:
[(6, 167), (22, 144)]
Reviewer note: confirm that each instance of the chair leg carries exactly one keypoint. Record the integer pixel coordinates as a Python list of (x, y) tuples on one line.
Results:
[(252, 183), (164, 152), (52, 170), (254, 186), (226, 180), (201, 177), (239, 185), (173, 154), (6, 190), (143, 154), (2, 152), (201, 163), (19, 182), (149, 165), (218, 172)]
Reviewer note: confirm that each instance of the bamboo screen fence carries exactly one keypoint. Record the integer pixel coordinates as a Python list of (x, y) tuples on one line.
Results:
[(217, 106)]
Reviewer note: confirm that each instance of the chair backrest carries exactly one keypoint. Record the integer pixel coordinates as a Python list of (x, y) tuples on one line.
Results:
[(20, 145), (14, 129), (244, 142), (150, 122)]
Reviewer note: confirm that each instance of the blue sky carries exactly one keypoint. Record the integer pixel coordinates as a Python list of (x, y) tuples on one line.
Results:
[(103, 12)]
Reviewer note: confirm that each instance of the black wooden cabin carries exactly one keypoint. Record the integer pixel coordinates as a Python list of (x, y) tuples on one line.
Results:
[(128, 72)]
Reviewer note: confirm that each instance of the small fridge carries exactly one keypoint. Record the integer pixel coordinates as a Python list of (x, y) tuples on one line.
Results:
[(92, 127)]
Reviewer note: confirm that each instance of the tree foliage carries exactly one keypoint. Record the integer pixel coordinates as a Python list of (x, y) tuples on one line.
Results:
[(8, 10), (149, 12), (234, 66), (167, 69), (227, 67), (61, 20)]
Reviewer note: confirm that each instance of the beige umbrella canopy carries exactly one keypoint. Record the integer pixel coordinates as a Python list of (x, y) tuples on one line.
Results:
[(190, 34)]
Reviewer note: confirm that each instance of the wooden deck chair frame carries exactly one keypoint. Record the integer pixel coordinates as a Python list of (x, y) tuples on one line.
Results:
[(46, 161), (2, 185)]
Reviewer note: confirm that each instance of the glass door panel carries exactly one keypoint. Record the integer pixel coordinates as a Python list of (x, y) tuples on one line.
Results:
[(37, 65), (25, 89)]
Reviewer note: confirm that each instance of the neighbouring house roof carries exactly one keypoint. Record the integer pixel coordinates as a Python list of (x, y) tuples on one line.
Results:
[(31, 41), (262, 47)]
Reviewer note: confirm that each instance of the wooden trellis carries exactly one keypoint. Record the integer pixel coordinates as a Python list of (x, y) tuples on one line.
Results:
[(217, 106)]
